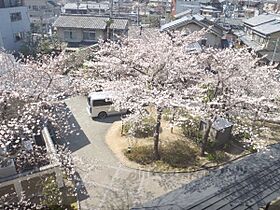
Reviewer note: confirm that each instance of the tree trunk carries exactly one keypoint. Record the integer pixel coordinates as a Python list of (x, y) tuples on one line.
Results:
[(156, 135), (172, 120), (206, 137)]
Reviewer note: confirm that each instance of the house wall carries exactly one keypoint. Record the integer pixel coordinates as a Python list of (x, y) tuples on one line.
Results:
[(271, 42), (212, 39), (41, 13), (9, 29), (1, 42), (78, 34)]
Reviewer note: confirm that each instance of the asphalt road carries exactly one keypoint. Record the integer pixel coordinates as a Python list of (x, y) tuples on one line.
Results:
[(105, 182)]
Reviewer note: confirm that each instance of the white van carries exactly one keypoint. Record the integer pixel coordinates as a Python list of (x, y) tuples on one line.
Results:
[(100, 105)]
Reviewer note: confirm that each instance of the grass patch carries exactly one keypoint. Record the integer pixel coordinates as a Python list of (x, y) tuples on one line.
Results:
[(218, 157), (177, 154)]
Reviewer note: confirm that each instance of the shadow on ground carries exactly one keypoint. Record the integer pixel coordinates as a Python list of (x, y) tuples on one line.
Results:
[(109, 119), (81, 189), (77, 138)]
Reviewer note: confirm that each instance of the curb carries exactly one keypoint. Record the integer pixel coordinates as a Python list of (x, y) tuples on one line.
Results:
[(186, 172)]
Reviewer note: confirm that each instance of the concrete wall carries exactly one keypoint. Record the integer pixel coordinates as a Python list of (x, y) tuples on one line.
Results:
[(8, 29)]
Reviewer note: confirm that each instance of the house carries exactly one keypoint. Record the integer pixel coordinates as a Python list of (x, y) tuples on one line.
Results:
[(42, 14), (251, 8), (220, 131), (271, 6), (193, 23), (209, 11), (179, 6), (20, 177), (15, 24), (261, 34), (87, 8), (80, 30)]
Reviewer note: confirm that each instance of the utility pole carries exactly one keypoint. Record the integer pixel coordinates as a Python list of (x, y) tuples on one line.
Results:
[(274, 52), (111, 8), (138, 4)]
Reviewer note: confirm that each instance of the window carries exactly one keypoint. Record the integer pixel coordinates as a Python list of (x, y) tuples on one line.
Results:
[(18, 36), (101, 103), (15, 16), (68, 34), (35, 8), (89, 35)]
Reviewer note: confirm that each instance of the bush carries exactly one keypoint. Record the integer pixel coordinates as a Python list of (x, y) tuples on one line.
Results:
[(218, 157), (252, 149), (51, 193), (142, 128), (241, 136)]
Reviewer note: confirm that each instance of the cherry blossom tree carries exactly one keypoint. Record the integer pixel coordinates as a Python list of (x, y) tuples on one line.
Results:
[(238, 87), (31, 97), (156, 72), (162, 73)]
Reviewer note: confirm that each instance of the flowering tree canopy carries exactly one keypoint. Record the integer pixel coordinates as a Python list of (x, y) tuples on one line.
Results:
[(161, 72)]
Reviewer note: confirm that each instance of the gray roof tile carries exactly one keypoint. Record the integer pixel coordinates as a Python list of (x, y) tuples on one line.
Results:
[(88, 22), (268, 28), (120, 24), (81, 21), (249, 183), (261, 19)]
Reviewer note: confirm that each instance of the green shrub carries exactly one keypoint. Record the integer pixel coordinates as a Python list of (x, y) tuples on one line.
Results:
[(218, 157), (142, 128), (51, 193), (167, 114), (252, 149), (241, 136)]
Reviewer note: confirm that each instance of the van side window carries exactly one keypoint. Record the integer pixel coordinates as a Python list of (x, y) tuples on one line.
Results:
[(101, 103)]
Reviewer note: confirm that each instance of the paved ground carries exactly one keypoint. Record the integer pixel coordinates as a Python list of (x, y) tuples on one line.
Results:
[(107, 183)]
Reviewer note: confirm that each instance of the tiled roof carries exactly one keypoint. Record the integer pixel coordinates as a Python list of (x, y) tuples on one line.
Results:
[(177, 23), (88, 22), (249, 183), (81, 21), (120, 24)]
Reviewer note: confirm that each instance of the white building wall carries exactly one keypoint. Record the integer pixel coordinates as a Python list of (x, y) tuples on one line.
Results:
[(9, 29), (1, 41)]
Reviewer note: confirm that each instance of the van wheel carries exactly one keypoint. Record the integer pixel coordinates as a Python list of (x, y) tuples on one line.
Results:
[(102, 115)]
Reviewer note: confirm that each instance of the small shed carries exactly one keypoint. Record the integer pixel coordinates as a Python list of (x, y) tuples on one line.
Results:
[(220, 131)]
